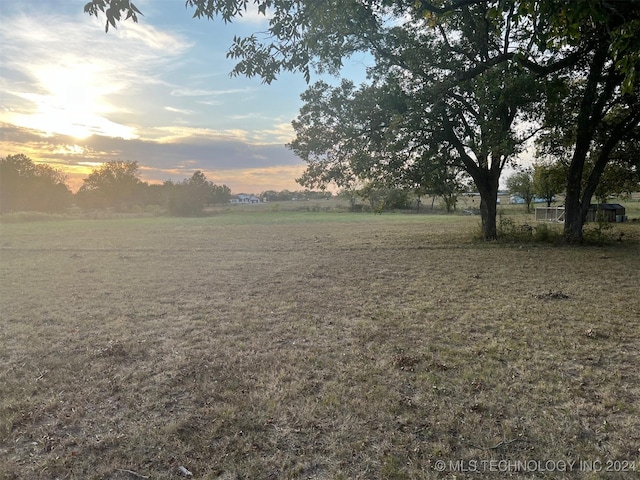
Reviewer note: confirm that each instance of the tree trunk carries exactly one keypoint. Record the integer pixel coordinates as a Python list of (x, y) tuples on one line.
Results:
[(488, 212), (573, 216), (573, 219), (488, 188), (589, 116)]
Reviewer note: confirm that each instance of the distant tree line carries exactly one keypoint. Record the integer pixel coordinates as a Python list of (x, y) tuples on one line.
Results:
[(115, 185), (376, 196), (287, 195)]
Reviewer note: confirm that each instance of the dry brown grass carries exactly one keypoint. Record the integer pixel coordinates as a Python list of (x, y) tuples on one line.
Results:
[(312, 346)]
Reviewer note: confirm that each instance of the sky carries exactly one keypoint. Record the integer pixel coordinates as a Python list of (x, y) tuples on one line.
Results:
[(157, 92)]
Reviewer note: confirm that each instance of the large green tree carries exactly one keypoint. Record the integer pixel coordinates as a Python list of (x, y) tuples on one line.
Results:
[(405, 128), (112, 185), (461, 60), (29, 186)]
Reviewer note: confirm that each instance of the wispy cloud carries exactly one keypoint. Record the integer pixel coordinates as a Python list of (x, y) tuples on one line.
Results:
[(183, 111), (196, 92), (210, 103), (254, 17), (281, 133), (148, 37), (197, 135), (191, 92)]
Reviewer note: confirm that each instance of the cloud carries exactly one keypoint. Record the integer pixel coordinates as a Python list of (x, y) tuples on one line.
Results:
[(179, 110), (198, 152), (191, 92), (281, 133), (150, 38), (210, 103), (196, 92), (33, 42), (254, 17)]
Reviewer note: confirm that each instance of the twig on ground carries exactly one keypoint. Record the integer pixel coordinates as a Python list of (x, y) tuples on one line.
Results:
[(42, 374), (132, 473), (559, 295), (503, 443)]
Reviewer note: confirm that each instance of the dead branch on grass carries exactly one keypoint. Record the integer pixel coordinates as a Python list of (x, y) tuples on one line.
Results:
[(132, 473), (503, 443), (559, 295)]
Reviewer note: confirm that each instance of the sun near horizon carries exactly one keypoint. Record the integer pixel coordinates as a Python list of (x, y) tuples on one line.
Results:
[(70, 100)]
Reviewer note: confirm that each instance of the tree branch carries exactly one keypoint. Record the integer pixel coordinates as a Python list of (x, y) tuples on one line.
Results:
[(554, 67), (454, 5)]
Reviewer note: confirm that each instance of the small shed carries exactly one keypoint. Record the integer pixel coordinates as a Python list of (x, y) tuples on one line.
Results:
[(611, 212), (549, 214)]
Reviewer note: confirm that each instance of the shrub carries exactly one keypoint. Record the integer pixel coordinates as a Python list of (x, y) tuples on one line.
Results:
[(602, 233), (506, 229), (543, 233)]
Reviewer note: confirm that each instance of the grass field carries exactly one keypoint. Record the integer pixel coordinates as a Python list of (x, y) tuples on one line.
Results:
[(314, 345)]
